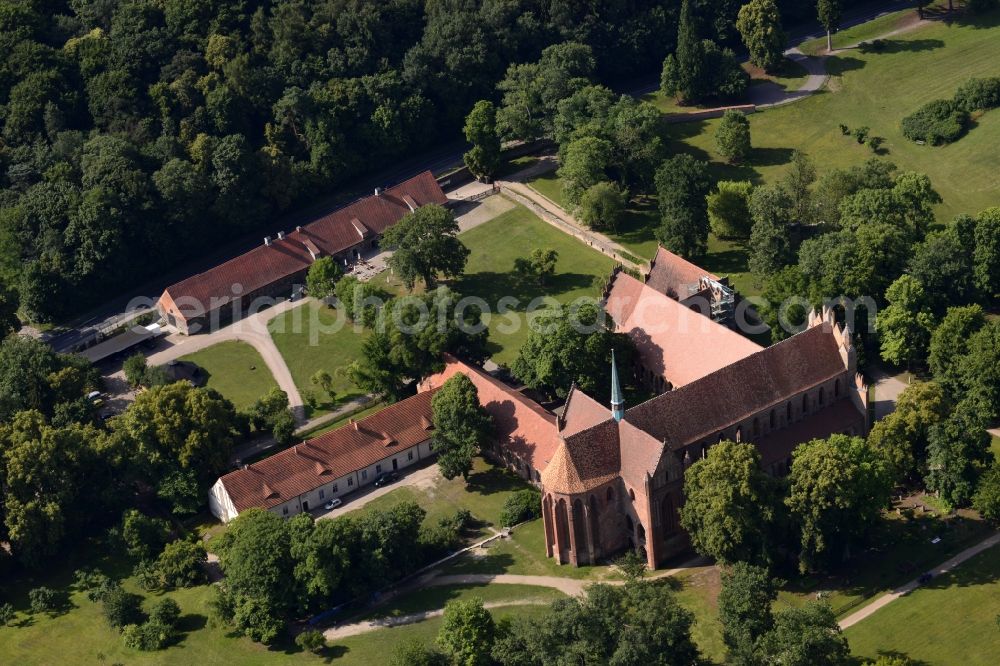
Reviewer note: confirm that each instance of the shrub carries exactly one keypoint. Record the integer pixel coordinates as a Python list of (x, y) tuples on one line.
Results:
[(875, 142), (602, 206), (936, 122), (844, 129), (311, 640), (7, 613), (43, 600), (148, 637), (861, 134), (521, 506), (181, 564), (122, 608), (978, 94), (732, 136), (166, 612), (146, 575)]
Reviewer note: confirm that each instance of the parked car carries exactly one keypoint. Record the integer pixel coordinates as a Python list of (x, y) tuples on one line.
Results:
[(332, 504), (385, 479)]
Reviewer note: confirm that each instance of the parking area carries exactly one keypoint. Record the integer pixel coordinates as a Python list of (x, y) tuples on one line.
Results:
[(424, 476)]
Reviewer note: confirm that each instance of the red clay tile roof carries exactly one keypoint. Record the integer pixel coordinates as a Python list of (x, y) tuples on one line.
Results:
[(641, 454), (530, 431), (750, 385), (333, 233), (332, 455), (673, 341), (672, 275), (581, 412), (585, 460)]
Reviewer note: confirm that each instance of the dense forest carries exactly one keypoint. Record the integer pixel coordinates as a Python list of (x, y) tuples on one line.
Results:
[(138, 133)]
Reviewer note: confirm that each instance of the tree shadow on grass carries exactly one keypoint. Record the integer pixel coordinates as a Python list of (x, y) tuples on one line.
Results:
[(885, 46), (331, 653), (910, 661), (729, 260), (836, 65), (770, 156), (493, 480), (493, 285)]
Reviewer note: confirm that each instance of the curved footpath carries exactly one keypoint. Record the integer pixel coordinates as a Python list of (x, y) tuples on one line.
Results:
[(251, 330)]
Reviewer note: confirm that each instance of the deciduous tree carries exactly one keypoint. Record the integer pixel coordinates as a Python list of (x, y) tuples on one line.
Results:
[(759, 23), (829, 12), (838, 488), (461, 425), (602, 206), (425, 244), (745, 600), (322, 277), (682, 184), (467, 633), (729, 505), (732, 136), (483, 159), (729, 209)]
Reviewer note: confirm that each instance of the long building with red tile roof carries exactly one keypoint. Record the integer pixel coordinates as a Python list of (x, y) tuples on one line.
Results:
[(330, 466), (676, 345), (222, 293)]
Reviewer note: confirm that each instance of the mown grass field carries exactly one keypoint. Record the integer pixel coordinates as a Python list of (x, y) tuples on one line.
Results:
[(235, 370), (489, 274), (312, 337), (950, 620), (877, 90)]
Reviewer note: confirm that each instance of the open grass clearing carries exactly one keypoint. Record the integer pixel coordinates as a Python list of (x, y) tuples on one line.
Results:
[(312, 337), (950, 620), (877, 89), (495, 245), (235, 370), (339, 423)]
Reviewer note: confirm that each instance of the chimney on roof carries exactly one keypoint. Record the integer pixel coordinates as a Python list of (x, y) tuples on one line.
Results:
[(377, 191), (281, 235), (298, 228), (354, 423), (267, 241)]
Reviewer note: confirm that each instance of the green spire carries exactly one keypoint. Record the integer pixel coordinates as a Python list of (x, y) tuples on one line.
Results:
[(617, 401)]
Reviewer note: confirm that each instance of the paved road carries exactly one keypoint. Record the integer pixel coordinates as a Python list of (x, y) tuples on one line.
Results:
[(887, 391), (944, 568)]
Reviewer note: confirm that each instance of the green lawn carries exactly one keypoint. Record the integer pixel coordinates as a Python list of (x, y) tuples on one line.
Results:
[(310, 338), (698, 591), (877, 90), (489, 274), (951, 620), (995, 446), (235, 370), (487, 489), (82, 636), (901, 549)]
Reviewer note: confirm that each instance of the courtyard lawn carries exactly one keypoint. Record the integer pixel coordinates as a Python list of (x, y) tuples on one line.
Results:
[(950, 620), (487, 489), (877, 90), (311, 337), (235, 370), (489, 273), (995, 446), (697, 589)]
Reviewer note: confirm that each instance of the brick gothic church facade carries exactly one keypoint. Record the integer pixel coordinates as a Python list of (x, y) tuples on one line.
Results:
[(612, 479)]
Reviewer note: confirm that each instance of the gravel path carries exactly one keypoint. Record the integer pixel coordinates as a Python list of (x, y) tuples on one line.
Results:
[(251, 330), (944, 568), (366, 626), (770, 94)]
